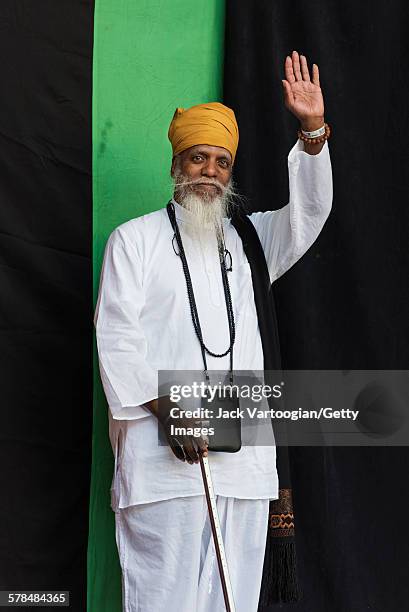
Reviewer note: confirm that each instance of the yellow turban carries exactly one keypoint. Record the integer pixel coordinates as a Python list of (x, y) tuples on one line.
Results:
[(211, 123)]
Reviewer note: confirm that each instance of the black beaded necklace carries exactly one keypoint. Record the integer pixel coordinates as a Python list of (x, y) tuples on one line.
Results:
[(170, 207)]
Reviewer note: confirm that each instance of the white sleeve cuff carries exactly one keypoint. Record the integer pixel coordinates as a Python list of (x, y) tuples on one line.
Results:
[(298, 150), (128, 413)]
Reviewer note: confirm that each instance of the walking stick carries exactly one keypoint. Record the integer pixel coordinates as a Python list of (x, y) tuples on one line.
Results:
[(217, 534)]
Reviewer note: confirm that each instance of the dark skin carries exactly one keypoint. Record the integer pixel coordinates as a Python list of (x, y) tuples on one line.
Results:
[(303, 98), (191, 446), (205, 162)]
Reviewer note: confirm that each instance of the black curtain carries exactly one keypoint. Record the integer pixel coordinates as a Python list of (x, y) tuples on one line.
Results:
[(46, 284), (345, 304)]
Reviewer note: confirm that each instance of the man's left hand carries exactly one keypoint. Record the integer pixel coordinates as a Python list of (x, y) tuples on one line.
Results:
[(302, 95)]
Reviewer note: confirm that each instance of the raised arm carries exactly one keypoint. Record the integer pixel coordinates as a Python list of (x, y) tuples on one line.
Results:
[(286, 234)]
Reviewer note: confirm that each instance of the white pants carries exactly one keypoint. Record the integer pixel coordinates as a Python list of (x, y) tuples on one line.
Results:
[(168, 560)]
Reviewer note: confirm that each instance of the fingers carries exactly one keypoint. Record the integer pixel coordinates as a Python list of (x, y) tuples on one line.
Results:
[(315, 75), (188, 449), (177, 449), (304, 68), (288, 93), (202, 445), (296, 69), (296, 66), (288, 69), (193, 448)]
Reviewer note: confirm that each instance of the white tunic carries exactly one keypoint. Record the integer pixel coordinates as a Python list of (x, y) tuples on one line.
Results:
[(143, 324)]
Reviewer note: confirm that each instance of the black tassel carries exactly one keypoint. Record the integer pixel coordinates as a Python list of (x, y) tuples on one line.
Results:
[(279, 583)]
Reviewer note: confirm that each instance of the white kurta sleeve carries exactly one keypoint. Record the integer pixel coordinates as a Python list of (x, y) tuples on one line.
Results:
[(286, 234), (127, 378)]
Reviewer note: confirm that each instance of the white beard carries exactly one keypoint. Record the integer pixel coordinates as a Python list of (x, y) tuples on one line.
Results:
[(207, 210), (207, 215)]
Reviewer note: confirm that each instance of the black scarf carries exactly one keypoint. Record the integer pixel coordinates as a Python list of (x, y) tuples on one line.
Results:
[(279, 583)]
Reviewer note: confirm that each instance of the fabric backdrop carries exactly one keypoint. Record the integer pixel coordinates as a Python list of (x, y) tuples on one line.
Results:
[(46, 287), (345, 304)]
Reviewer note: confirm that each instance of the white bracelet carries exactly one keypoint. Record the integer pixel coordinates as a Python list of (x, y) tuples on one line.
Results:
[(315, 133)]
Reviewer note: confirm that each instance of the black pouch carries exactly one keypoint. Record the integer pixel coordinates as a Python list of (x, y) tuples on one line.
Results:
[(227, 429)]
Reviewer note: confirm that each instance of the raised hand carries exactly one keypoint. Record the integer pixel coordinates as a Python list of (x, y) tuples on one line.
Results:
[(302, 95)]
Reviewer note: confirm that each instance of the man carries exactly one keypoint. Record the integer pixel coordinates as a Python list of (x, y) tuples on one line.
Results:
[(144, 324)]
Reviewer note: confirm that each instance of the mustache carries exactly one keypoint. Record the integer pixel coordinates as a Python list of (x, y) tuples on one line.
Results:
[(182, 181), (232, 196)]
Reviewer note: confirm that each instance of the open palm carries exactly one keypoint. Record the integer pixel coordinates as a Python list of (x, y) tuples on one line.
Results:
[(302, 95)]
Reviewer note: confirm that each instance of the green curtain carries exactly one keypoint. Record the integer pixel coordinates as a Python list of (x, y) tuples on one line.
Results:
[(149, 57)]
